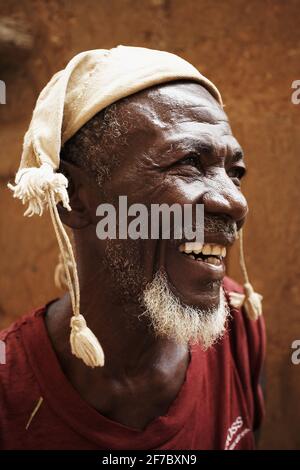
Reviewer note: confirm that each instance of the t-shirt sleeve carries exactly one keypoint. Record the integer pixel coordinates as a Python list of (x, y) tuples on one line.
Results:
[(18, 389)]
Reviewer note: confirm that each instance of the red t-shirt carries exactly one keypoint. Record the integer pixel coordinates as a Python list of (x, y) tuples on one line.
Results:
[(218, 406)]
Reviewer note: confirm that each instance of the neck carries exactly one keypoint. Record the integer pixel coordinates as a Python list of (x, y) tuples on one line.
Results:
[(129, 345)]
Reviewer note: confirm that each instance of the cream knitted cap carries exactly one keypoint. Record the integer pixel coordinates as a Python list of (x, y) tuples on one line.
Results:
[(90, 82)]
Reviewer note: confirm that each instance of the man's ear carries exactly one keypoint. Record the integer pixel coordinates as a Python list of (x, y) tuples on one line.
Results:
[(79, 217)]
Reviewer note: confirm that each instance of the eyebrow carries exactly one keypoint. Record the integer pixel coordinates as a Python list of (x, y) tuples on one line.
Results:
[(201, 147)]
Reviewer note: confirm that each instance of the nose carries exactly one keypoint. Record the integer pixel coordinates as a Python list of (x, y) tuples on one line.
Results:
[(225, 198)]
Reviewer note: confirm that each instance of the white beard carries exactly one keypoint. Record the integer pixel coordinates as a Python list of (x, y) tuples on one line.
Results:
[(172, 319)]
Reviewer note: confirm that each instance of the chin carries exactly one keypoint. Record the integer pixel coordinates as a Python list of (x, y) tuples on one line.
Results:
[(206, 297), (172, 317)]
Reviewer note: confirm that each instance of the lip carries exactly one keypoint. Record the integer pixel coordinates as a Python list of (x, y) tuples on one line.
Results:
[(214, 272), (212, 238), (198, 272)]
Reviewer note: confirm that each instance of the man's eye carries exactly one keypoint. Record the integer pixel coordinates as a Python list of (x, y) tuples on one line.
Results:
[(191, 160), (236, 172)]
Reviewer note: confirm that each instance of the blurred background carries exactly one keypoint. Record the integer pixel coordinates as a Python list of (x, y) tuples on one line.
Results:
[(251, 50)]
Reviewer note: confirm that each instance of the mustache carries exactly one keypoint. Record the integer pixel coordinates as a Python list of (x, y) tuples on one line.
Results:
[(223, 224)]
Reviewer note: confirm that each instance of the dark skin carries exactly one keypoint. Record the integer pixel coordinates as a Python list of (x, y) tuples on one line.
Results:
[(179, 149)]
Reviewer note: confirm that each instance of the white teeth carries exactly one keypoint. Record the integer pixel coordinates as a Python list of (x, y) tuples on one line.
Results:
[(207, 249), (212, 260), (190, 247), (194, 246), (216, 250)]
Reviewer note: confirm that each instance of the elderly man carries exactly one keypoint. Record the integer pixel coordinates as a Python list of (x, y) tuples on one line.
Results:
[(169, 360)]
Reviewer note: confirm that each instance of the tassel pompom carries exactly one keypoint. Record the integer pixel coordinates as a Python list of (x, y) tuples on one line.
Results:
[(253, 302), (33, 184), (84, 343), (236, 299)]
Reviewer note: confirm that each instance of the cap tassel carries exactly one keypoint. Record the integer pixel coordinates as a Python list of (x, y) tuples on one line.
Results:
[(236, 299), (84, 343), (251, 300), (32, 185), (41, 188)]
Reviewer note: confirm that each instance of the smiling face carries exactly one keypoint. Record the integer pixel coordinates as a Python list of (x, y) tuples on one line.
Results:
[(178, 149)]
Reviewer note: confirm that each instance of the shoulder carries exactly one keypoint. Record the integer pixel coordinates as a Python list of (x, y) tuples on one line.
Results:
[(244, 331), (232, 286), (11, 345), (248, 343), (11, 338), (16, 376)]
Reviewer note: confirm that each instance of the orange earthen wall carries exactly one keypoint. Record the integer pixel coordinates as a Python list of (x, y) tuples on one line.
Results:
[(251, 50)]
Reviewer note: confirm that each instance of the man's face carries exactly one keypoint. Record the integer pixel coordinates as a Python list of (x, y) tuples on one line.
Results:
[(179, 149)]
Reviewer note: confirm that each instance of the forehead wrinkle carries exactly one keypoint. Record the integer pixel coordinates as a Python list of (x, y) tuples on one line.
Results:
[(158, 107), (212, 114), (186, 92), (154, 119), (193, 114)]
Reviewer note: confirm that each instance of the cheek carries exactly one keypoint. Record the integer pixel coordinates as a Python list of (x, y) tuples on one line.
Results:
[(123, 261), (180, 190)]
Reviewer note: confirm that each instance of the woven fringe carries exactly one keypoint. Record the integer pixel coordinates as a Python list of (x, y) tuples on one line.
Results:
[(33, 184)]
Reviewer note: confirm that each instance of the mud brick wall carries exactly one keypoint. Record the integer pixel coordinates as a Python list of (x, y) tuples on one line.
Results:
[(251, 50)]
